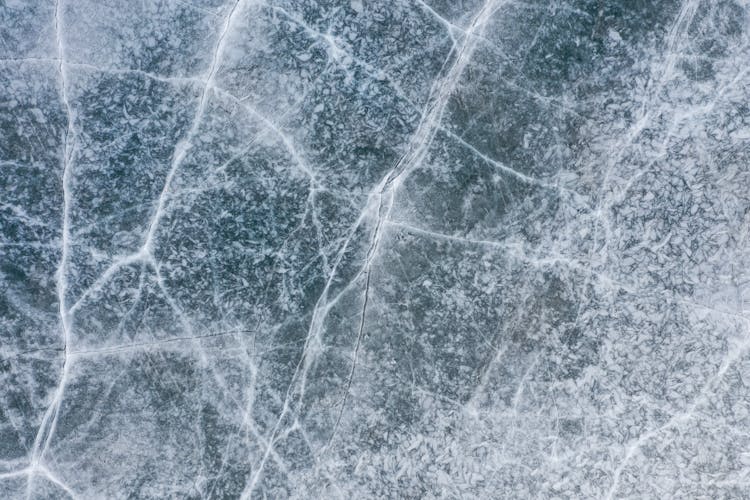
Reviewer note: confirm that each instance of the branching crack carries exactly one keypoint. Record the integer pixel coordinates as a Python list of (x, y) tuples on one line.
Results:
[(46, 429), (360, 332)]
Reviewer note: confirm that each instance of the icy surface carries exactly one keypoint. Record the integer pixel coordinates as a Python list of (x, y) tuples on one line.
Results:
[(374, 249)]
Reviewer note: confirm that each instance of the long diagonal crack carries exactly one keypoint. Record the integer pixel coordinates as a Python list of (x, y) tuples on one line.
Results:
[(428, 125), (424, 134), (184, 145)]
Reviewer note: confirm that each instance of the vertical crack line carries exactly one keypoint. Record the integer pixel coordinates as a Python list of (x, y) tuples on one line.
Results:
[(377, 232), (49, 420), (350, 378)]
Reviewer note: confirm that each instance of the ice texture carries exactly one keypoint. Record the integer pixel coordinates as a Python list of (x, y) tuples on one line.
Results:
[(267, 249)]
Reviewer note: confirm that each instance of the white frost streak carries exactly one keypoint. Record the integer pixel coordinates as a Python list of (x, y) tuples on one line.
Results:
[(49, 420)]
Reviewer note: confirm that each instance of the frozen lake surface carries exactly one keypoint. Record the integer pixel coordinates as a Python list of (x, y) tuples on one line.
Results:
[(374, 249)]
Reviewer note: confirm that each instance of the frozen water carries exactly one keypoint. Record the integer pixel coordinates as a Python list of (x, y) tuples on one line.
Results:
[(374, 249)]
